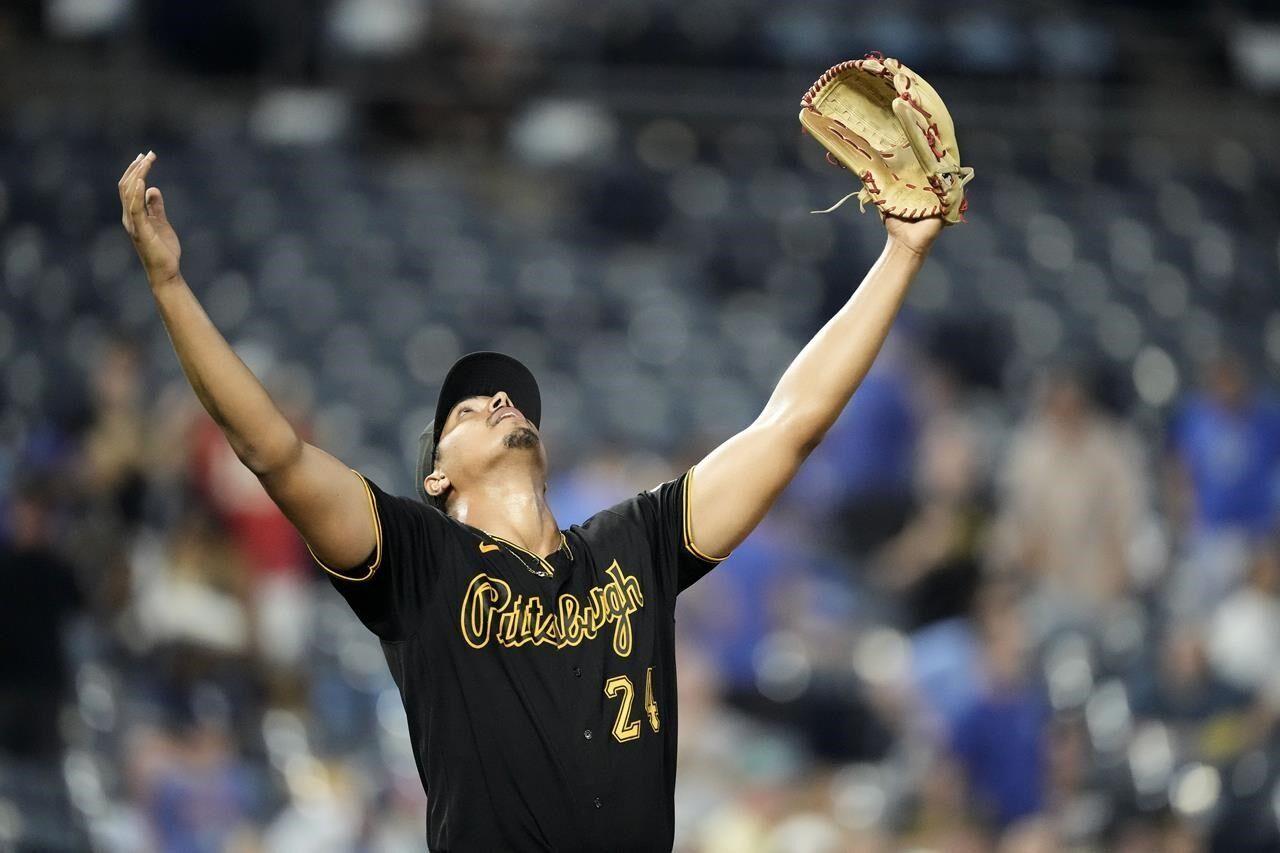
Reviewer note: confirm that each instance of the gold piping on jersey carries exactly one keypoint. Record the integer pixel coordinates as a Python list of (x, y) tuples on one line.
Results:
[(687, 531), (377, 538)]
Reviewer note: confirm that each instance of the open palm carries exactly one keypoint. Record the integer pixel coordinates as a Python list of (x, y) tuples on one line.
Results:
[(144, 218)]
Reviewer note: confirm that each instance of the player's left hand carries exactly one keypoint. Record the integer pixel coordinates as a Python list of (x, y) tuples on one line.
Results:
[(917, 235)]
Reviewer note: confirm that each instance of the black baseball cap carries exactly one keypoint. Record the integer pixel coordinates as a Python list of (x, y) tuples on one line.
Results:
[(476, 374)]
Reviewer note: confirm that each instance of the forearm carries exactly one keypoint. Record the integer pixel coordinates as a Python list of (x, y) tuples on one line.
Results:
[(258, 432), (739, 480), (822, 378)]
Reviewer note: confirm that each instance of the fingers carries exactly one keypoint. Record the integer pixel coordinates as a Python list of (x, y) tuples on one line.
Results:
[(133, 204), (124, 179), (144, 165), (132, 186), (122, 186)]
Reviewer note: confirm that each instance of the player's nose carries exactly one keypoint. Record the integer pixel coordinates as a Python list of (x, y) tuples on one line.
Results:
[(499, 400)]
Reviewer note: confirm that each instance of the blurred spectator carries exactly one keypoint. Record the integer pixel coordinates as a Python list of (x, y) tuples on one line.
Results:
[(1225, 445), (1073, 493), (1001, 740), (260, 533), (946, 668), (933, 564), (198, 795), (115, 445), (1226, 439), (41, 597), (190, 618)]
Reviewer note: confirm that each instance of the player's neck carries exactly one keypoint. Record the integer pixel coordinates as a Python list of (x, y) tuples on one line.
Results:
[(514, 509)]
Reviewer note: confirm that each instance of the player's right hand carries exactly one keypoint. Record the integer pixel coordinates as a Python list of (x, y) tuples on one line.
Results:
[(143, 217)]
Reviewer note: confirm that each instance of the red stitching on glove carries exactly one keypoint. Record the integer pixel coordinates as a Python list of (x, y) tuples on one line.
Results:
[(906, 96), (931, 137), (827, 76)]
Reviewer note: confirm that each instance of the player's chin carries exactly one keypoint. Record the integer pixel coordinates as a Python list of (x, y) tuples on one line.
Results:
[(521, 438)]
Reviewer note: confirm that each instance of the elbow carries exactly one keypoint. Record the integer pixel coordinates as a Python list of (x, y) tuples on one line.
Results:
[(269, 457), (800, 428), (807, 442)]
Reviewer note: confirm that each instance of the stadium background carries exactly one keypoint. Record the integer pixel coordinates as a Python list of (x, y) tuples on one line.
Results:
[(1023, 598)]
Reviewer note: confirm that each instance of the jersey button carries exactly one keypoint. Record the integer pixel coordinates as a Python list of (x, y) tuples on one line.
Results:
[(577, 671), (597, 802), (587, 734)]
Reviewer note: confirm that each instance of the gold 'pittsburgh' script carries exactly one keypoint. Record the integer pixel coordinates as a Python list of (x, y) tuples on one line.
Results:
[(491, 612)]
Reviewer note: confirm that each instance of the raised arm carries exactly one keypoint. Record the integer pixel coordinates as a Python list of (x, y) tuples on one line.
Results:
[(739, 480), (325, 500)]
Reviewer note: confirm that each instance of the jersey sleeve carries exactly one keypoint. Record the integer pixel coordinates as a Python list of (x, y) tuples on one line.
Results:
[(389, 590), (663, 513)]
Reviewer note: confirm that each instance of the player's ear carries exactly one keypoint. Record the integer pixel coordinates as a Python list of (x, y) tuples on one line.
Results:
[(437, 483)]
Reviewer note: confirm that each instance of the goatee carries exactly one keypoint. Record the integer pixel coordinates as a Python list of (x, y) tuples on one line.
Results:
[(521, 438)]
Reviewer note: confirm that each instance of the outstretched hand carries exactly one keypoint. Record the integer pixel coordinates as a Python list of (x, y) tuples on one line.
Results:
[(143, 217), (917, 235)]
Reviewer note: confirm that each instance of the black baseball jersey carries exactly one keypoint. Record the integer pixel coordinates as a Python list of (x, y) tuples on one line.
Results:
[(541, 694)]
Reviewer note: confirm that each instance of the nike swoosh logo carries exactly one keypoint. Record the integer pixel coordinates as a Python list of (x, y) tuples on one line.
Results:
[(486, 548)]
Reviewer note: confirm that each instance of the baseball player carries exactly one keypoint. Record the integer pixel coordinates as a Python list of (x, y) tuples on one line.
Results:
[(536, 664)]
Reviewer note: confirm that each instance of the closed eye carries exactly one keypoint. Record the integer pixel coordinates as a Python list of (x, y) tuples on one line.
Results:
[(466, 407)]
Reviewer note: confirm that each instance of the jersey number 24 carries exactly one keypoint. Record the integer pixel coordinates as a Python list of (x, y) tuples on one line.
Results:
[(625, 728)]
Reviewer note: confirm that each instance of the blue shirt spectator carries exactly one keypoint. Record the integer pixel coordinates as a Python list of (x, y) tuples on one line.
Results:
[(1229, 443), (1000, 743), (1000, 740), (870, 450)]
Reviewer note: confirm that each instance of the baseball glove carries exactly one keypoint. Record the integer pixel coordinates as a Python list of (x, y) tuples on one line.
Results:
[(883, 122)]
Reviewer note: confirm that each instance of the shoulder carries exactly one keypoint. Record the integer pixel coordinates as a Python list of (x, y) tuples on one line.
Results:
[(638, 512), (388, 499), (401, 511), (629, 513)]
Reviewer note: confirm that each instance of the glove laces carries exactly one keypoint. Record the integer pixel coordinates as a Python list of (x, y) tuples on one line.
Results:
[(862, 205)]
